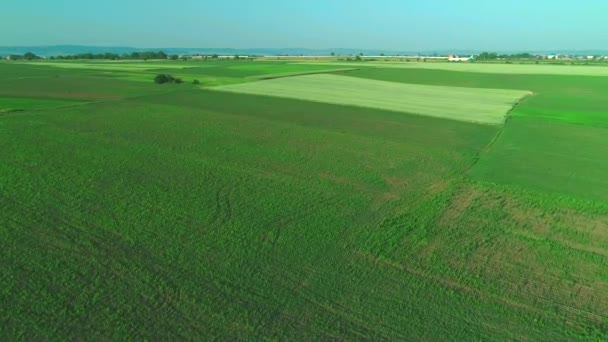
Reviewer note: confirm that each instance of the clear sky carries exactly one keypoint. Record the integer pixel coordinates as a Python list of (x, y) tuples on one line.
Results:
[(366, 24)]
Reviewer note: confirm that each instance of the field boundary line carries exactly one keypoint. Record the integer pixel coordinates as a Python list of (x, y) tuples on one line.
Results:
[(488, 147), (314, 72)]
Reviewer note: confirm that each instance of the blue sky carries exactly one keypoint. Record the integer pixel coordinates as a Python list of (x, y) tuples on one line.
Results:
[(366, 24)]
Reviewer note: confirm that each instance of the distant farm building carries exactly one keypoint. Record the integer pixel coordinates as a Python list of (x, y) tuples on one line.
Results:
[(455, 58)]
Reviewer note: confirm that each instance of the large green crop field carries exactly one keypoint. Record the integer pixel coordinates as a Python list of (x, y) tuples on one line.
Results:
[(363, 202)]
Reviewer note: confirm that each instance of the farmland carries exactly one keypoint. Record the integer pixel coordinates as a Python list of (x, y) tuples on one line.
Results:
[(456, 103), (489, 68), (283, 200)]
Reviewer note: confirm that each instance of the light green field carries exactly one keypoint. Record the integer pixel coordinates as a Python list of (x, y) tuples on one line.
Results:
[(525, 69), (488, 106)]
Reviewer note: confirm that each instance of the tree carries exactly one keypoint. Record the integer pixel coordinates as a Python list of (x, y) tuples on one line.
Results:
[(165, 78), (333, 53), (485, 56), (358, 58), (162, 79), (30, 56)]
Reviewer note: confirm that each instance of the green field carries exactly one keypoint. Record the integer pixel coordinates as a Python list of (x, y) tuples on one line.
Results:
[(130, 210), (487, 68), (209, 73), (457, 103)]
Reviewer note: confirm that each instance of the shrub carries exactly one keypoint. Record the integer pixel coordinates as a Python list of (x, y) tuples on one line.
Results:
[(163, 78), (196, 82)]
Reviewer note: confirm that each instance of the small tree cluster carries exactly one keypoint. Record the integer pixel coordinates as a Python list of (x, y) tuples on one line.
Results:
[(164, 78), (28, 56)]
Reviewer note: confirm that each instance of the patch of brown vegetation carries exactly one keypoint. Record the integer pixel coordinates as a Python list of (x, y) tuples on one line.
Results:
[(556, 226), (396, 183), (460, 202), (452, 284), (398, 186), (550, 278), (341, 180)]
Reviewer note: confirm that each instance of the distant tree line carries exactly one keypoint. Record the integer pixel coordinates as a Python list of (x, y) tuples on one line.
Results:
[(145, 55), (488, 56), (113, 56), (28, 56)]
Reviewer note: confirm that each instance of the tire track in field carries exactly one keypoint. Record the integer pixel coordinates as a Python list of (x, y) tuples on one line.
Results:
[(223, 206), (303, 211), (284, 275), (584, 314)]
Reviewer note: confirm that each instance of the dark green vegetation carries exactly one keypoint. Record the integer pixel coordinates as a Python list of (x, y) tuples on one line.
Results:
[(28, 56), (164, 78), (178, 212), (143, 55)]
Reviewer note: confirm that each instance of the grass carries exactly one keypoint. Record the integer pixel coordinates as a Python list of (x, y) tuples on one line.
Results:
[(549, 156), (19, 104), (211, 72), (38, 82), (189, 213), (219, 160), (465, 104)]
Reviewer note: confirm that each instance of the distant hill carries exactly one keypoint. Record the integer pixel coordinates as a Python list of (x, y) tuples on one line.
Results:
[(56, 50)]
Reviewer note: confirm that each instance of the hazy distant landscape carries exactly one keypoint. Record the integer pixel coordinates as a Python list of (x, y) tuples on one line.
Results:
[(57, 50), (392, 193)]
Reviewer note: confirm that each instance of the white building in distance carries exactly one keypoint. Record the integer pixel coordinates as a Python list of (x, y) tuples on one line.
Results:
[(455, 58)]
